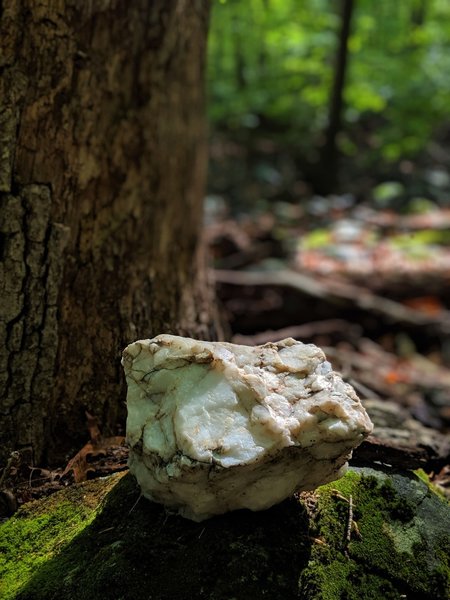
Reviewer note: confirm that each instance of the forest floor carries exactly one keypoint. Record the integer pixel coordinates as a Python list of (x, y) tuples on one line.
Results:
[(365, 276)]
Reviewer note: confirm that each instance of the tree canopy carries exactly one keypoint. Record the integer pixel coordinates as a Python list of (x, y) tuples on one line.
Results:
[(272, 62)]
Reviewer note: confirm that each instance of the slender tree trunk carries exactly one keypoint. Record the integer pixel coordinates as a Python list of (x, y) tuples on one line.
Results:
[(419, 12), (329, 166), (102, 168), (239, 60)]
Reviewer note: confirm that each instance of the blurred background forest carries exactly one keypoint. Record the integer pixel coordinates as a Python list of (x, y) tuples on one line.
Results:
[(273, 67), (328, 208)]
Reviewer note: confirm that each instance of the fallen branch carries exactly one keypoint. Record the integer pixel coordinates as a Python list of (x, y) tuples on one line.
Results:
[(307, 330), (339, 293)]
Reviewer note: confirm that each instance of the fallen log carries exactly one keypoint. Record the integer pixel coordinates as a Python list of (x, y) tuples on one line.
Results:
[(340, 293)]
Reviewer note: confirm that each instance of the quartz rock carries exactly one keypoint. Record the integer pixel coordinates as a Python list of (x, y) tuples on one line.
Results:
[(214, 427)]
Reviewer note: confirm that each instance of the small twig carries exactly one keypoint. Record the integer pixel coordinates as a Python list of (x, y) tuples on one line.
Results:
[(201, 532), (356, 531), (349, 524), (135, 504), (337, 494), (32, 470), (107, 529)]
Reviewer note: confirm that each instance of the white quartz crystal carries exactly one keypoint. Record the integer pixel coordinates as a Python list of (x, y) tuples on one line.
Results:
[(214, 427)]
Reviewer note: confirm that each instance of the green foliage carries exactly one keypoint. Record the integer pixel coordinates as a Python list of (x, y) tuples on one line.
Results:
[(269, 59), (424, 238), (385, 192), (318, 238), (272, 61)]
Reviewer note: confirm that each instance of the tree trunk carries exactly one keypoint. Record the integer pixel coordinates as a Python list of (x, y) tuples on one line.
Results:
[(102, 167), (329, 166)]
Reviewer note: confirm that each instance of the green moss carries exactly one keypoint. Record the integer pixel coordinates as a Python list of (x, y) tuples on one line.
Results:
[(32, 537), (424, 477), (398, 545)]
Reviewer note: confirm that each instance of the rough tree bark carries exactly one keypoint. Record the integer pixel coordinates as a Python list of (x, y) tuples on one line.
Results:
[(101, 172)]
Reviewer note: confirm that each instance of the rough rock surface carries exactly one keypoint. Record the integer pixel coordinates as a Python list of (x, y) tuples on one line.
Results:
[(214, 427)]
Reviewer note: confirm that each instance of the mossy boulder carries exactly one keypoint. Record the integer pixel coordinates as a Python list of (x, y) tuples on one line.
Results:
[(380, 536), (370, 535)]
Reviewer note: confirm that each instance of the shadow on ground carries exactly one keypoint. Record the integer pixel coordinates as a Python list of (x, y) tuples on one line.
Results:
[(134, 550)]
